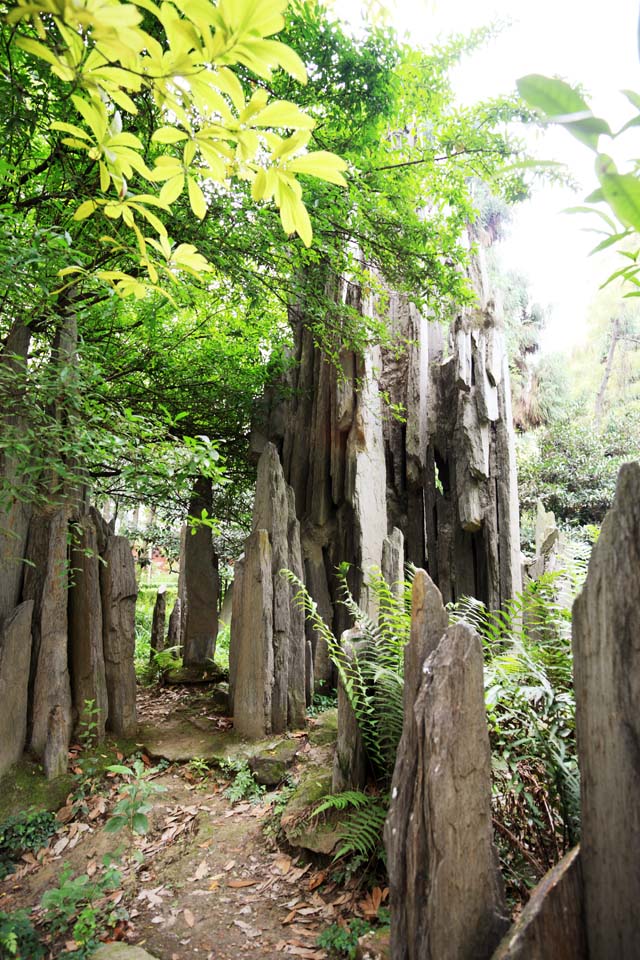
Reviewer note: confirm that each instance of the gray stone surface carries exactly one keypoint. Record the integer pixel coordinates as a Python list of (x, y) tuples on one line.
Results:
[(271, 513), (551, 926), (119, 590), (88, 677), (56, 749), (274, 512), (253, 643), (201, 583), (446, 896), (15, 515), (393, 560), (349, 761), (297, 689), (158, 621), (174, 631), (15, 655), (46, 584), (606, 651), (120, 951)]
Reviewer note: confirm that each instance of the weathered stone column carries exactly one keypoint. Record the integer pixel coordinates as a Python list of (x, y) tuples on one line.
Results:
[(606, 654), (447, 900), (349, 760), (158, 621), (88, 678), (253, 659), (45, 584), (119, 590), (15, 656), (201, 584), (274, 513)]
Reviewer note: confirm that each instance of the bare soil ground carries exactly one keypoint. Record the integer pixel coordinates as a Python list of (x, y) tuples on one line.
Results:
[(211, 882)]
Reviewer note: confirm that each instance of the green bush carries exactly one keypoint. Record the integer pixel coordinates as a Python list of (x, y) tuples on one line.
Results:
[(24, 833), (18, 938)]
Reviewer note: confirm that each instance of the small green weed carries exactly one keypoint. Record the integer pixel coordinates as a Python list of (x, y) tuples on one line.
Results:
[(18, 937), (132, 808), (320, 703), (340, 940), (199, 767), (243, 785), (24, 833), (77, 907)]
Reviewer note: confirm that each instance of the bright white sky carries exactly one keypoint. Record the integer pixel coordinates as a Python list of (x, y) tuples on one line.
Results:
[(593, 42)]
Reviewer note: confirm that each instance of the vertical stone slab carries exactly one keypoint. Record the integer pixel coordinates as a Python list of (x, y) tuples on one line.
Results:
[(174, 631), (46, 584), (158, 620), (271, 513), (296, 671), (551, 926), (253, 658), (119, 590), (349, 760), (404, 837), (15, 655), (55, 757), (15, 515), (88, 678), (201, 584), (308, 678), (447, 899), (606, 652), (393, 560), (237, 627)]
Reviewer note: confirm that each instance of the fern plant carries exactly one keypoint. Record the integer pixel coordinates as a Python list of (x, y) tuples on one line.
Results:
[(373, 679), (531, 714), (374, 684)]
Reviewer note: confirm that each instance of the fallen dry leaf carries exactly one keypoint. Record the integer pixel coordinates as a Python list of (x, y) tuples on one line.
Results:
[(189, 918), (283, 864), (236, 884), (229, 865), (317, 879), (64, 814)]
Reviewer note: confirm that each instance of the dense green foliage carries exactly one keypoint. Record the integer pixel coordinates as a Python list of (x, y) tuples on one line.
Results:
[(24, 833), (573, 467)]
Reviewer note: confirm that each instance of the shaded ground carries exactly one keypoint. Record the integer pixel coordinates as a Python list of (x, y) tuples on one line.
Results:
[(211, 882)]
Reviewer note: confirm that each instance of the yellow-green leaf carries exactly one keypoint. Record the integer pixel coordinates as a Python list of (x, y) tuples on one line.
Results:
[(172, 189), (196, 199), (281, 113), (85, 210), (322, 164), (168, 135)]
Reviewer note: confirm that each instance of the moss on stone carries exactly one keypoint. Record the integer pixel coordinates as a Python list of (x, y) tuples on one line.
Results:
[(324, 729)]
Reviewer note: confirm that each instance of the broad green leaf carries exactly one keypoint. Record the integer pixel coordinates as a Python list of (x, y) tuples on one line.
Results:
[(114, 824), (561, 103), (551, 96), (119, 768), (621, 191), (140, 823), (196, 199)]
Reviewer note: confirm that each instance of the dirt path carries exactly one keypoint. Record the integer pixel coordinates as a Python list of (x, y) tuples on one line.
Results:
[(211, 882)]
